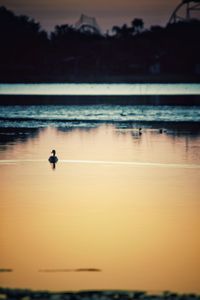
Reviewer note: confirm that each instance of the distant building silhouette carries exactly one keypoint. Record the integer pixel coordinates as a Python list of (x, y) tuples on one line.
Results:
[(88, 24)]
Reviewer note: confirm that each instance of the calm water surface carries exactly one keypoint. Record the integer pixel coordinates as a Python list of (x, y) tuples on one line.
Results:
[(137, 224), (89, 116)]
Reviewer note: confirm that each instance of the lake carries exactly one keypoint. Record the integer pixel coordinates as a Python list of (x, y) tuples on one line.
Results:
[(120, 209), (73, 116), (138, 222)]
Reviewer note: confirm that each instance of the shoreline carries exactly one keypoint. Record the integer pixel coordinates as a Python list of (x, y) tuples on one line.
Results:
[(17, 77), (10, 293)]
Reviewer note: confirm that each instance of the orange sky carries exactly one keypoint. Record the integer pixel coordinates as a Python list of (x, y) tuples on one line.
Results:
[(108, 13)]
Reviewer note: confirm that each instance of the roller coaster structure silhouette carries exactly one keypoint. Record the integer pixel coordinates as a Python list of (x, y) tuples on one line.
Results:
[(189, 7), (88, 24)]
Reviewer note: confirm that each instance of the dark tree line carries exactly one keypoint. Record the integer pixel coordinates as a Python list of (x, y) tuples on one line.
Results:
[(21, 38), (28, 53)]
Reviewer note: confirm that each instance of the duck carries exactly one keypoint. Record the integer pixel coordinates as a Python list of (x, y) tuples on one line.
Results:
[(53, 158)]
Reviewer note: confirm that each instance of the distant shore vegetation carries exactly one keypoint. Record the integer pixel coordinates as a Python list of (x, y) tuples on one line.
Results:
[(7, 293), (130, 53)]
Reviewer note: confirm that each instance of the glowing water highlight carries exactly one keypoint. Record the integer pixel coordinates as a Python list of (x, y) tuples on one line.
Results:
[(70, 89), (105, 162)]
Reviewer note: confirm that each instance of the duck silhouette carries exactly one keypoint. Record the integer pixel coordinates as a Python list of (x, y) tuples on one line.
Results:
[(53, 158)]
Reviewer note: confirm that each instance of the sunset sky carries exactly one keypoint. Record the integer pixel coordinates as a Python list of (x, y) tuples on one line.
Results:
[(108, 13)]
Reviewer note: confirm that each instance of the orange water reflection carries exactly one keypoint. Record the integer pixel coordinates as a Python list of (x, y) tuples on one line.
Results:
[(138, 224)]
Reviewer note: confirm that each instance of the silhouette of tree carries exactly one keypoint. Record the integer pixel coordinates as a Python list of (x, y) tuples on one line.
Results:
[(25, 49), (137, 25), (122, 32), (116, 30), (156, 28), (22, 40), (126, 31), (63, 31)]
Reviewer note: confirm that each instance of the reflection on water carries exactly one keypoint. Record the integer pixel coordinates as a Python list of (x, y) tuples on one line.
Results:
[(138, 224), (12, 136), (90, 116)]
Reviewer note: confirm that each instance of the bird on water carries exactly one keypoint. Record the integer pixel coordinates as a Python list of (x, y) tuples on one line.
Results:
[(53, 158)]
